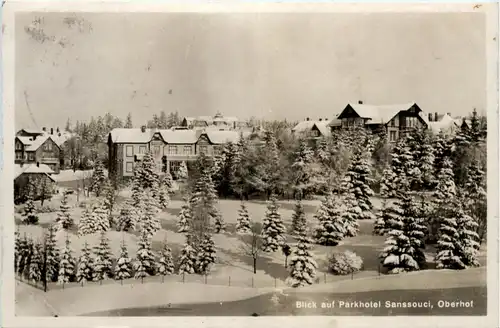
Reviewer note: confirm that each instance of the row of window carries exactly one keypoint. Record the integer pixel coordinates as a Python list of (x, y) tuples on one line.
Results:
[(30, 156), (171, 150)]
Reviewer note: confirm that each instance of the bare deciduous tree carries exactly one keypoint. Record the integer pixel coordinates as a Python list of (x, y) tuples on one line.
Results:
[(251, 243)]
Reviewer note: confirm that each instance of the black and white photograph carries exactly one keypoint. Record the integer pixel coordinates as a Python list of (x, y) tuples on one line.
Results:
[(250, 162)]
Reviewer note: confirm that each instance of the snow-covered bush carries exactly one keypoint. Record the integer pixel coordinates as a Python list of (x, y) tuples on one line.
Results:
[(344, 263), (47, 209)]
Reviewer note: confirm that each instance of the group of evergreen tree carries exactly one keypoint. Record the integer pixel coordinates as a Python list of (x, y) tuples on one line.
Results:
[(45, 261)]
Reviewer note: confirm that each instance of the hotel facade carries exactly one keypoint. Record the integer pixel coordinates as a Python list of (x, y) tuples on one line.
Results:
[(128, 146)]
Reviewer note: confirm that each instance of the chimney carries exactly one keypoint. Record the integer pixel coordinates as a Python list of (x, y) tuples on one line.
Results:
[(326, 119), (51, 130), (307, 118), (57, 130), (143, 128), (430, 117), (59, 134), (449, 114), (436, 117), (320, 119), (44, 129), (360, 102), (37, 164)]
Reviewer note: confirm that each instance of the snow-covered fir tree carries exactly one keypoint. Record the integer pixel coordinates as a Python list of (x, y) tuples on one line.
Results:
[(331, 228), (206, 255), (149, 221), (147, 172), (27, 255), (273, 228), (36, 264), (29, 216), (383, 218), (166, 261), (127, 219), (64, 219), (457, 245), (404, 245), (444, 196), (145, 259), (402, 164), (66, 264), (23, 254), (322, 151), (387, 183), (98, 179), (299, 222), (84, 271), (187, 260), (103, 268), (351, 214), (358, 184), (123, 266), (468, 238), (109, 200), (182, 172), (17, 248), (243, 220), (203, 205), (87, 224), (476, 198), (52, 253), (100, 216), (426, 162), (184, 217), (302, 264), (302, 169)]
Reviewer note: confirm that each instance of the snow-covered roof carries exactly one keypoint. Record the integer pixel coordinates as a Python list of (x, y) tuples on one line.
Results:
[(173, 136), (179, 136), (32, 169), (25, 140), (305, 126), (221, 137), (134, 135), (379, 114), (335, 122)]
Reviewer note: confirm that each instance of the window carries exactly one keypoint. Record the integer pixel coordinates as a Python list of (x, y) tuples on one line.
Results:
[(130, 151), (129, 167), (174, 166), (188, 150), (172, 150), (393, 122), (31, 156), (392, 135), (203, 149), (19, 146), (142, 149), (217, 150), (19, 155)]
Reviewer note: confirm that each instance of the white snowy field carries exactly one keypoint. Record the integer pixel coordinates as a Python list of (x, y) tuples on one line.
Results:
[(78, 301), (70, 175)]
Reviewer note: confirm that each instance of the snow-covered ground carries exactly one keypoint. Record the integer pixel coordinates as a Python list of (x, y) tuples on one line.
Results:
[(233, 267), (70, 175), (78, 301)]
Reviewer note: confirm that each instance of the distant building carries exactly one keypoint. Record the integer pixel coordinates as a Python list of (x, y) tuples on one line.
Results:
[(444, 123), (128, 146), (24, 173), (42, 147), (216, 122), (312, 129), (395, 119)]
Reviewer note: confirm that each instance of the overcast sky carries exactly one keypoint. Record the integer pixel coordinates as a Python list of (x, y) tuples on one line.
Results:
[(266, 65)]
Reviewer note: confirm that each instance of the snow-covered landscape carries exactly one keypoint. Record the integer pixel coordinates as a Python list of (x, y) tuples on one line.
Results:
[(251, 164)]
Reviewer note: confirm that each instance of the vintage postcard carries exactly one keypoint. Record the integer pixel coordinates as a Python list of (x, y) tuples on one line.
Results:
[(292, 164)]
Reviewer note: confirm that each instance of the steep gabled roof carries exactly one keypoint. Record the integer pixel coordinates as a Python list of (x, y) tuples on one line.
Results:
[(303, 126), (32, 169), (323, 127), (378, 114), (179, 136)]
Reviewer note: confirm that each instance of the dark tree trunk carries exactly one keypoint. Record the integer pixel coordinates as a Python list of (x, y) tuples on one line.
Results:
[(286, 262), (254, 265)]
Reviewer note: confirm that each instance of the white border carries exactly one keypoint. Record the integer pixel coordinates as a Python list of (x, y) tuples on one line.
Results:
[(6, 194)]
